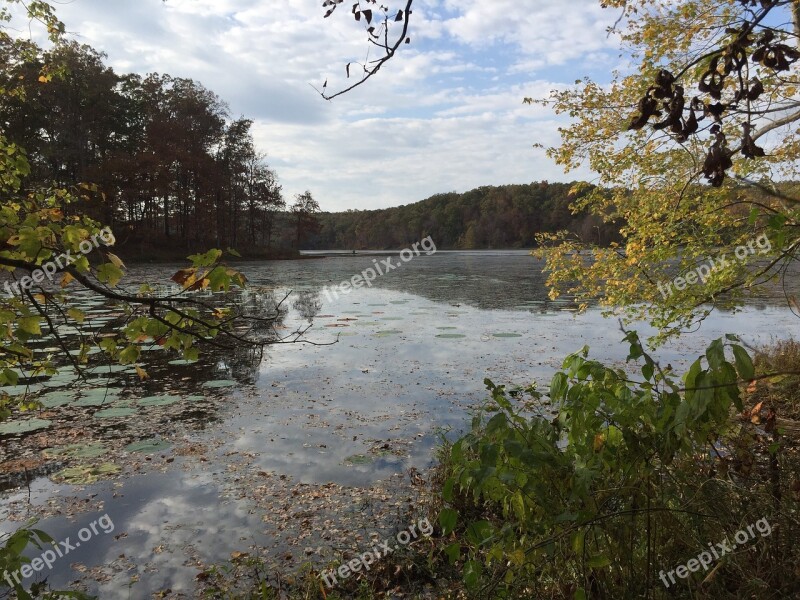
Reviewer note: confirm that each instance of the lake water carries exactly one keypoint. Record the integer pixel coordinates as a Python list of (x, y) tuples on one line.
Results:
[(306, 448)]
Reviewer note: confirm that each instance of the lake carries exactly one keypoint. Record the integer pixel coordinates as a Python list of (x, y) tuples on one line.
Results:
[(307, 448)]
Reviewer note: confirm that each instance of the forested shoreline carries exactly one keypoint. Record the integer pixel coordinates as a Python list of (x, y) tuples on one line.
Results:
[(161, 160)]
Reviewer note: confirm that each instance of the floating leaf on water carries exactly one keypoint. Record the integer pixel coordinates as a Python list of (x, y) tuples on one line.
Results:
[(86, 475), (391, 319), (506, 335), (387, 333), (359, 459), (451, 336), (112, 413), (97, 397), (147, 446), (194, 398), (337, 325), (158, 400), (17, 427), (93, 450), (220, 383), (182, 362), (105, 369), (56, 399), (19, 390), (61, 380), (89, 352), (446, 328)]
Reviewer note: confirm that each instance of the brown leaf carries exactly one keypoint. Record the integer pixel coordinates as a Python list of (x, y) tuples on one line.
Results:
[(184, 275)]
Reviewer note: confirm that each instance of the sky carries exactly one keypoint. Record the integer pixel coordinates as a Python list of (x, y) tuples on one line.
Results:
[(445, 114)]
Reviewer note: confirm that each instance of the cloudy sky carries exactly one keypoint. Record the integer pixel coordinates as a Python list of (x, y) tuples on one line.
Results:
[(445, 114)]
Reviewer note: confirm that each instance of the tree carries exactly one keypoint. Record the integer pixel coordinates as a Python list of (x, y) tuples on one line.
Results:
[(685, 170), (305, 210), (45, 236)]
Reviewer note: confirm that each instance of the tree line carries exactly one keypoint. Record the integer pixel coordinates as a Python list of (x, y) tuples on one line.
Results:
[(169, 168), (488, 217)]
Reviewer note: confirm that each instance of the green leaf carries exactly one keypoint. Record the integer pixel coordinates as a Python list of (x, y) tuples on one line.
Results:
[(130, 355), (472, 574), (598, 562), (447, 520), (480, 532), (109, 274), (453, 552), (206, 260), (558, 386), (30, 325), (744, 364), (447, 489), (647, 371)]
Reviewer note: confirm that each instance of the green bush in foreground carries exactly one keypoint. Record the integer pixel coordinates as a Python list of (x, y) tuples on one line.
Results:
[(634, 476)]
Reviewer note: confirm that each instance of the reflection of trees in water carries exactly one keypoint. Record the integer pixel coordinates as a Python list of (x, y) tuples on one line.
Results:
[(308, 304), (267, 314)]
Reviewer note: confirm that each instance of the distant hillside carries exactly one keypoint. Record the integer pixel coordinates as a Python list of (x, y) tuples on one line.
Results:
[(487, 217)]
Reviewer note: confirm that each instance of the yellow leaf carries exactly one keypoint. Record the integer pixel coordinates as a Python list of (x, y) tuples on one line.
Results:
[(142, 373), (66, 280), (43, 79), (76, 314), (116, 260)]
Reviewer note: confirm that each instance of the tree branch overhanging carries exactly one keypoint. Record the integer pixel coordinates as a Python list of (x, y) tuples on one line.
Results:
[(370, 68)]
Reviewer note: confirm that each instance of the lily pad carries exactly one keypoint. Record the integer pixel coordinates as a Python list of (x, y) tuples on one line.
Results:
[(182, 362), (158, 400), (97, 397), (194, 398), (359, 459), (56, 399), (86, 475), (387, 333), (112, 413), (19, 390), (147, 446), (446, 328), (106, 369), (507, 335), (451, 336), (220, 383), (92, 450), (27, 426)]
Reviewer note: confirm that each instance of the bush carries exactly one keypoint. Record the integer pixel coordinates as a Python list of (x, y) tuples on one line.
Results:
[(633, 477)]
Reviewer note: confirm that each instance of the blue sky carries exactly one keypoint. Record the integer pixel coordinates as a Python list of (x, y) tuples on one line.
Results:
[(445, 114)]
